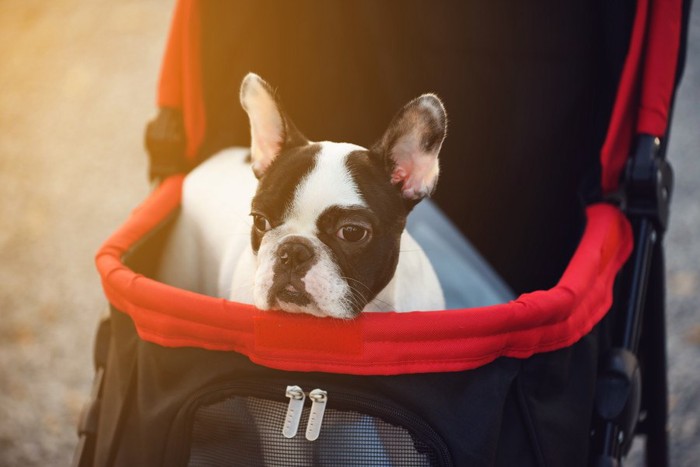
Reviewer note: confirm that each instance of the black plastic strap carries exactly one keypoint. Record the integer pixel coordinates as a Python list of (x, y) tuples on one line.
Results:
[(617, 402), (165, 142)]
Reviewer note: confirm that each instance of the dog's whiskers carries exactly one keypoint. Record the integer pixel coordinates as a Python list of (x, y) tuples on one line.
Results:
[(356, 300), (357, 282)]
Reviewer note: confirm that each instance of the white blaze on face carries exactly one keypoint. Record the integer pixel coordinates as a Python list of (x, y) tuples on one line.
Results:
[(328, 184)]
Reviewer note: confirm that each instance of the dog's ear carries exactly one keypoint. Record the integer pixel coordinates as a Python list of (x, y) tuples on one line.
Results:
[(411, 144), (270, 129)]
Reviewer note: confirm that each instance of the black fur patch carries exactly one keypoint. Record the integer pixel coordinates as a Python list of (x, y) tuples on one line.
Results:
[(368, 266)]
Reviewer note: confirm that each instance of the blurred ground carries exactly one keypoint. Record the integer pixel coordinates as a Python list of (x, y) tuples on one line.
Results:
[(77, 84), (77, 81)]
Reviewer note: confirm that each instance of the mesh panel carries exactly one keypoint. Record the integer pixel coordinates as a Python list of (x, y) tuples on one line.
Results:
[(247, 431)]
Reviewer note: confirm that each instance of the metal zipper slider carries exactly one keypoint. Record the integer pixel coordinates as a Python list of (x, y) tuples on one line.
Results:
[(296, 406), (318, 407)]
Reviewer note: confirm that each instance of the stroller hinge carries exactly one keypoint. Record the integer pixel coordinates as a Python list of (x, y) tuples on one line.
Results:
[(649, 182), (617, 402), (165, 142)]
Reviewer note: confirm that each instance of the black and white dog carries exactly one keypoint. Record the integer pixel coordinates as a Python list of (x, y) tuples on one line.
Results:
[(328, 219)]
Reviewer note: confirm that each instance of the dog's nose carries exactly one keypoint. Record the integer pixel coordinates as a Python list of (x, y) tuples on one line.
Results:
[(294, 254)]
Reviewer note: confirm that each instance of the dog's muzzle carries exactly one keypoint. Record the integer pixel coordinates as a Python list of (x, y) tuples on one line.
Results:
[(294, 258)]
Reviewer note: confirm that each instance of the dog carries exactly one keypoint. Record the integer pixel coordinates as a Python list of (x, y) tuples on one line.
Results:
[(328, 219)]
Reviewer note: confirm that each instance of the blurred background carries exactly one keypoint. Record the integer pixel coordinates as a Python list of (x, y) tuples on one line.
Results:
[(77, 85)]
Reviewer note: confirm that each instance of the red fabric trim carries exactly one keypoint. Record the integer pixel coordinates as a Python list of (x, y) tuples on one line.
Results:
[(170, 83), (646, 85), (375, 343), (661, 58), (180, 84)]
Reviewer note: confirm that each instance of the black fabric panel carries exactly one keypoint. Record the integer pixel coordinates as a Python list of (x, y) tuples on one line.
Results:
[(527, 85), (118, 389), (516, 440), (557, 391)]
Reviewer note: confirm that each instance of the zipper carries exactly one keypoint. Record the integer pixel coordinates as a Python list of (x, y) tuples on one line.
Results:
[(271, 390), (318, 407), (294, 410)]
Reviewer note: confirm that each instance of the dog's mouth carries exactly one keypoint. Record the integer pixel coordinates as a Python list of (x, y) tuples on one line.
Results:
[(290, 291), (319, 289)]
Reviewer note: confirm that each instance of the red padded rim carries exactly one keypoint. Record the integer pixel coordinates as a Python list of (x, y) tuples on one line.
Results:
[(375, 343)]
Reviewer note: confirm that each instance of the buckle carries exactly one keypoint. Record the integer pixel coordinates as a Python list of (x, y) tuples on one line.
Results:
[(165, 141)]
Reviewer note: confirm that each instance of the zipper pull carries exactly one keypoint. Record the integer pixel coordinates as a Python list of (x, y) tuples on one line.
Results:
[(296, 405), (318, 407)]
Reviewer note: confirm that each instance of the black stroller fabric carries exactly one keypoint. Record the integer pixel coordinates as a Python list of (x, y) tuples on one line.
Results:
[(530, 87)]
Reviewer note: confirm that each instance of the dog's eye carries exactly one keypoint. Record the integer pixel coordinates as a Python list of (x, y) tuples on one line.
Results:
[(352, 233), (261, 223)]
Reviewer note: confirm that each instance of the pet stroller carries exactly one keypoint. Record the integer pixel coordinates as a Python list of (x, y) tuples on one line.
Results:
[(554, 169)]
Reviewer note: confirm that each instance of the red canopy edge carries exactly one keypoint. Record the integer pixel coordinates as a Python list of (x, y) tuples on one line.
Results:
[(661, 59), (646, 84), (180, 85), (375, 343)]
